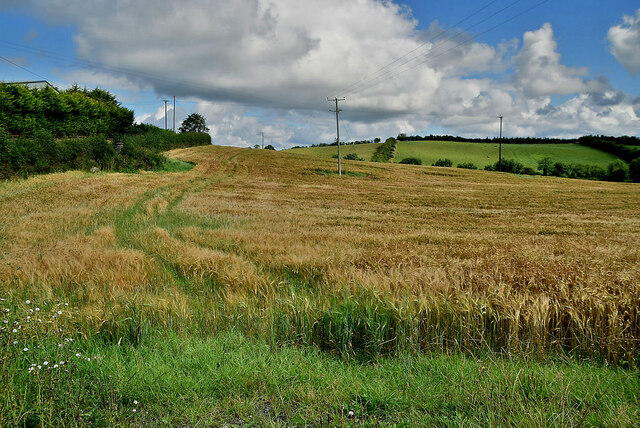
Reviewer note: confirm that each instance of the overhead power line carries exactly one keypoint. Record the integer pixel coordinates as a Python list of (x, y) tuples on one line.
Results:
[(431, 40), (24, 68), (433, 54)]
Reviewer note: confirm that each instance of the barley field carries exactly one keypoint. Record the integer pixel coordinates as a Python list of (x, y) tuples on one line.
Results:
[(386, 258)]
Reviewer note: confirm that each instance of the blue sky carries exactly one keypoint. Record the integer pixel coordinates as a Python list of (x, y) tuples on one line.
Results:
[(554, 68)]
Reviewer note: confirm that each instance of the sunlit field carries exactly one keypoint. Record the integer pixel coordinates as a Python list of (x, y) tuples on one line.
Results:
[(234, 285), (480, 154), (386, 258)]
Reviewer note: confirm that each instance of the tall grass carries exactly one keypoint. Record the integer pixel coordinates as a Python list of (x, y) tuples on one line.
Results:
[(391, 259)]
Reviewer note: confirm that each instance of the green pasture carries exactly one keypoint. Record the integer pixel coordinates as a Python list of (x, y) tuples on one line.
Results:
[(365, 151), (481, 154)]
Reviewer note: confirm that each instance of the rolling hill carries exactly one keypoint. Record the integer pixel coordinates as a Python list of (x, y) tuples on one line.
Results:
[(481, 154)]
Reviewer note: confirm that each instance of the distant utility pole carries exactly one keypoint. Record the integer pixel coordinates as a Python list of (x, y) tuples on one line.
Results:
[(337, 111), (165, 112), (174, 113), (262, 133), (500, 152)]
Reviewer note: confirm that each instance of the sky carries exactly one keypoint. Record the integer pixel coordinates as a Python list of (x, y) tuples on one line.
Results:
[(552, 68)]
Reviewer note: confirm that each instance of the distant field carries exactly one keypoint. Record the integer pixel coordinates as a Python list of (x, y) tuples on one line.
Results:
[(363, 150), (481, 154)]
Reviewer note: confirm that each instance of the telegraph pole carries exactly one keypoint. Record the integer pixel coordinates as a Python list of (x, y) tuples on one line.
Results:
[(500, 152), (337, 111), (174, 113), (262, 133), (165, 112)]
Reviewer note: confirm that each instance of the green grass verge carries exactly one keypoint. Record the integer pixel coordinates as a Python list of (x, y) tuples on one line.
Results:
[(175, 165), (229, 379)]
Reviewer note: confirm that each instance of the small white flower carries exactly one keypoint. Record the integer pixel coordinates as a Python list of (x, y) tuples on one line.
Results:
[(46, 363), (59, 312), (39, 367), (14, 331), (28, 302), (31, 310), (25, 349), (88, 358), (39, 320), (351, 413), (5, 321), (134, 410), (66, 304), (15, 342), (30, 369), (59, 345), (7, 310), (55, 366), (77, 354), (61, 363), (135, 402), (28, 317), (37, 309)]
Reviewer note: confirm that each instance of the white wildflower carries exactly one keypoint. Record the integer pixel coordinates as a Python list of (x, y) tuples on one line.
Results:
[(59, 312), (28, 302), (25, 349), (46, 363)]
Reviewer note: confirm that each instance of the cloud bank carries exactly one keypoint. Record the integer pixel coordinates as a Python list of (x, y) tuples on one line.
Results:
[(271, 64)]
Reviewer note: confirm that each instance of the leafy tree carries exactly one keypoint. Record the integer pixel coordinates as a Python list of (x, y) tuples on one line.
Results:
[(256, 146), (545, 165), (269, 147), (194, 123)]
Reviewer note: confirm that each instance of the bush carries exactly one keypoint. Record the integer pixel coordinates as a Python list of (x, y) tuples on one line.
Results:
[(508, 165), (353, 156), (411, 161), (467, 165), (443, 162), (616, 171)]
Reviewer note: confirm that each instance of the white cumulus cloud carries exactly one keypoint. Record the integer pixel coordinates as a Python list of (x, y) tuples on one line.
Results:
[(625, 42)]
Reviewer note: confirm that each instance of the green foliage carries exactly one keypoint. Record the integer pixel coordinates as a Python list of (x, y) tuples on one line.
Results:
[(617, 171), (508, 165), (194, 123), (443, 162), (269, 147), (349, 156), (384, 153), (74, 112), (411, 161), (616, 146), (467, 165), (545, 165), (41, 154), (634, 171)]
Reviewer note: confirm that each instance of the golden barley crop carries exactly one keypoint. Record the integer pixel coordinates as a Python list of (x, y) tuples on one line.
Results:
[(386, 257)]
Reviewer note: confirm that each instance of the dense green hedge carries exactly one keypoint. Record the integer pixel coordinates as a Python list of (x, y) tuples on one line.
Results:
[(612, 145), (385, 151), (73, 112), (42, 153)]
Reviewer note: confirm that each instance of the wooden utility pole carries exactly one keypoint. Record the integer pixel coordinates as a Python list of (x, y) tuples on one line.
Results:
[(337, 111)]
